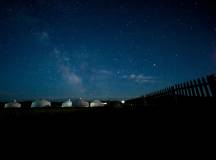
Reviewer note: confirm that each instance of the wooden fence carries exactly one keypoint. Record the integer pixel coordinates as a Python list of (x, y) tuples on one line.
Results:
[(193, 92), (202, 87)]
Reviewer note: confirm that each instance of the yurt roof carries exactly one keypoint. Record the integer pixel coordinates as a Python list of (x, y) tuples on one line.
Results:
[(96, 103), (67, 103), (82, 103), (13, 104), (41, 103)]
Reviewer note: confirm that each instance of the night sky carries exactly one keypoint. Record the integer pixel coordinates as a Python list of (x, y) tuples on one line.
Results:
[(103, 48)]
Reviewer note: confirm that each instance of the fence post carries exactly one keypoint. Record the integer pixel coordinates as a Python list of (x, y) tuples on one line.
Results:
[(196, 88), (174, 94), (201, 88), (185, 88), (189, 89), (177, 89), (192, 89), (180, 90), (212, 84), (205, 85)]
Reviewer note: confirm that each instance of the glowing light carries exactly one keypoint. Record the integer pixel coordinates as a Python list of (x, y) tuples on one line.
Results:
[(123, 102)]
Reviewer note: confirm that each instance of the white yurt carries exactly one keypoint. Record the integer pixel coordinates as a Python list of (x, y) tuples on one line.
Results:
[(81, 103), (67, 103), (13, 104), (41, 103), (97, 103)]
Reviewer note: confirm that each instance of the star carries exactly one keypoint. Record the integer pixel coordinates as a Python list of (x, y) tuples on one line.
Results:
[(145, 20), (191, 27), (91, 46), (196, 4), (10, 9)]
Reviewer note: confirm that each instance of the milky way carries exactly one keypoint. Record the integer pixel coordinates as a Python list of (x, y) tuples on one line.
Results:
[(103, 49)]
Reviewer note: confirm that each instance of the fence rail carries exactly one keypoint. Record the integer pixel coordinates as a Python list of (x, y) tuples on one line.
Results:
[(194, 92), (201, 87)]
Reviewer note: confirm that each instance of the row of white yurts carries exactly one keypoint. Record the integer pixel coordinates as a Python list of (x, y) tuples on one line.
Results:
[(45, 103)]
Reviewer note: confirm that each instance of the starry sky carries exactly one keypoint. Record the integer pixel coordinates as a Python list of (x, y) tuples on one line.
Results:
[(103, 48)]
